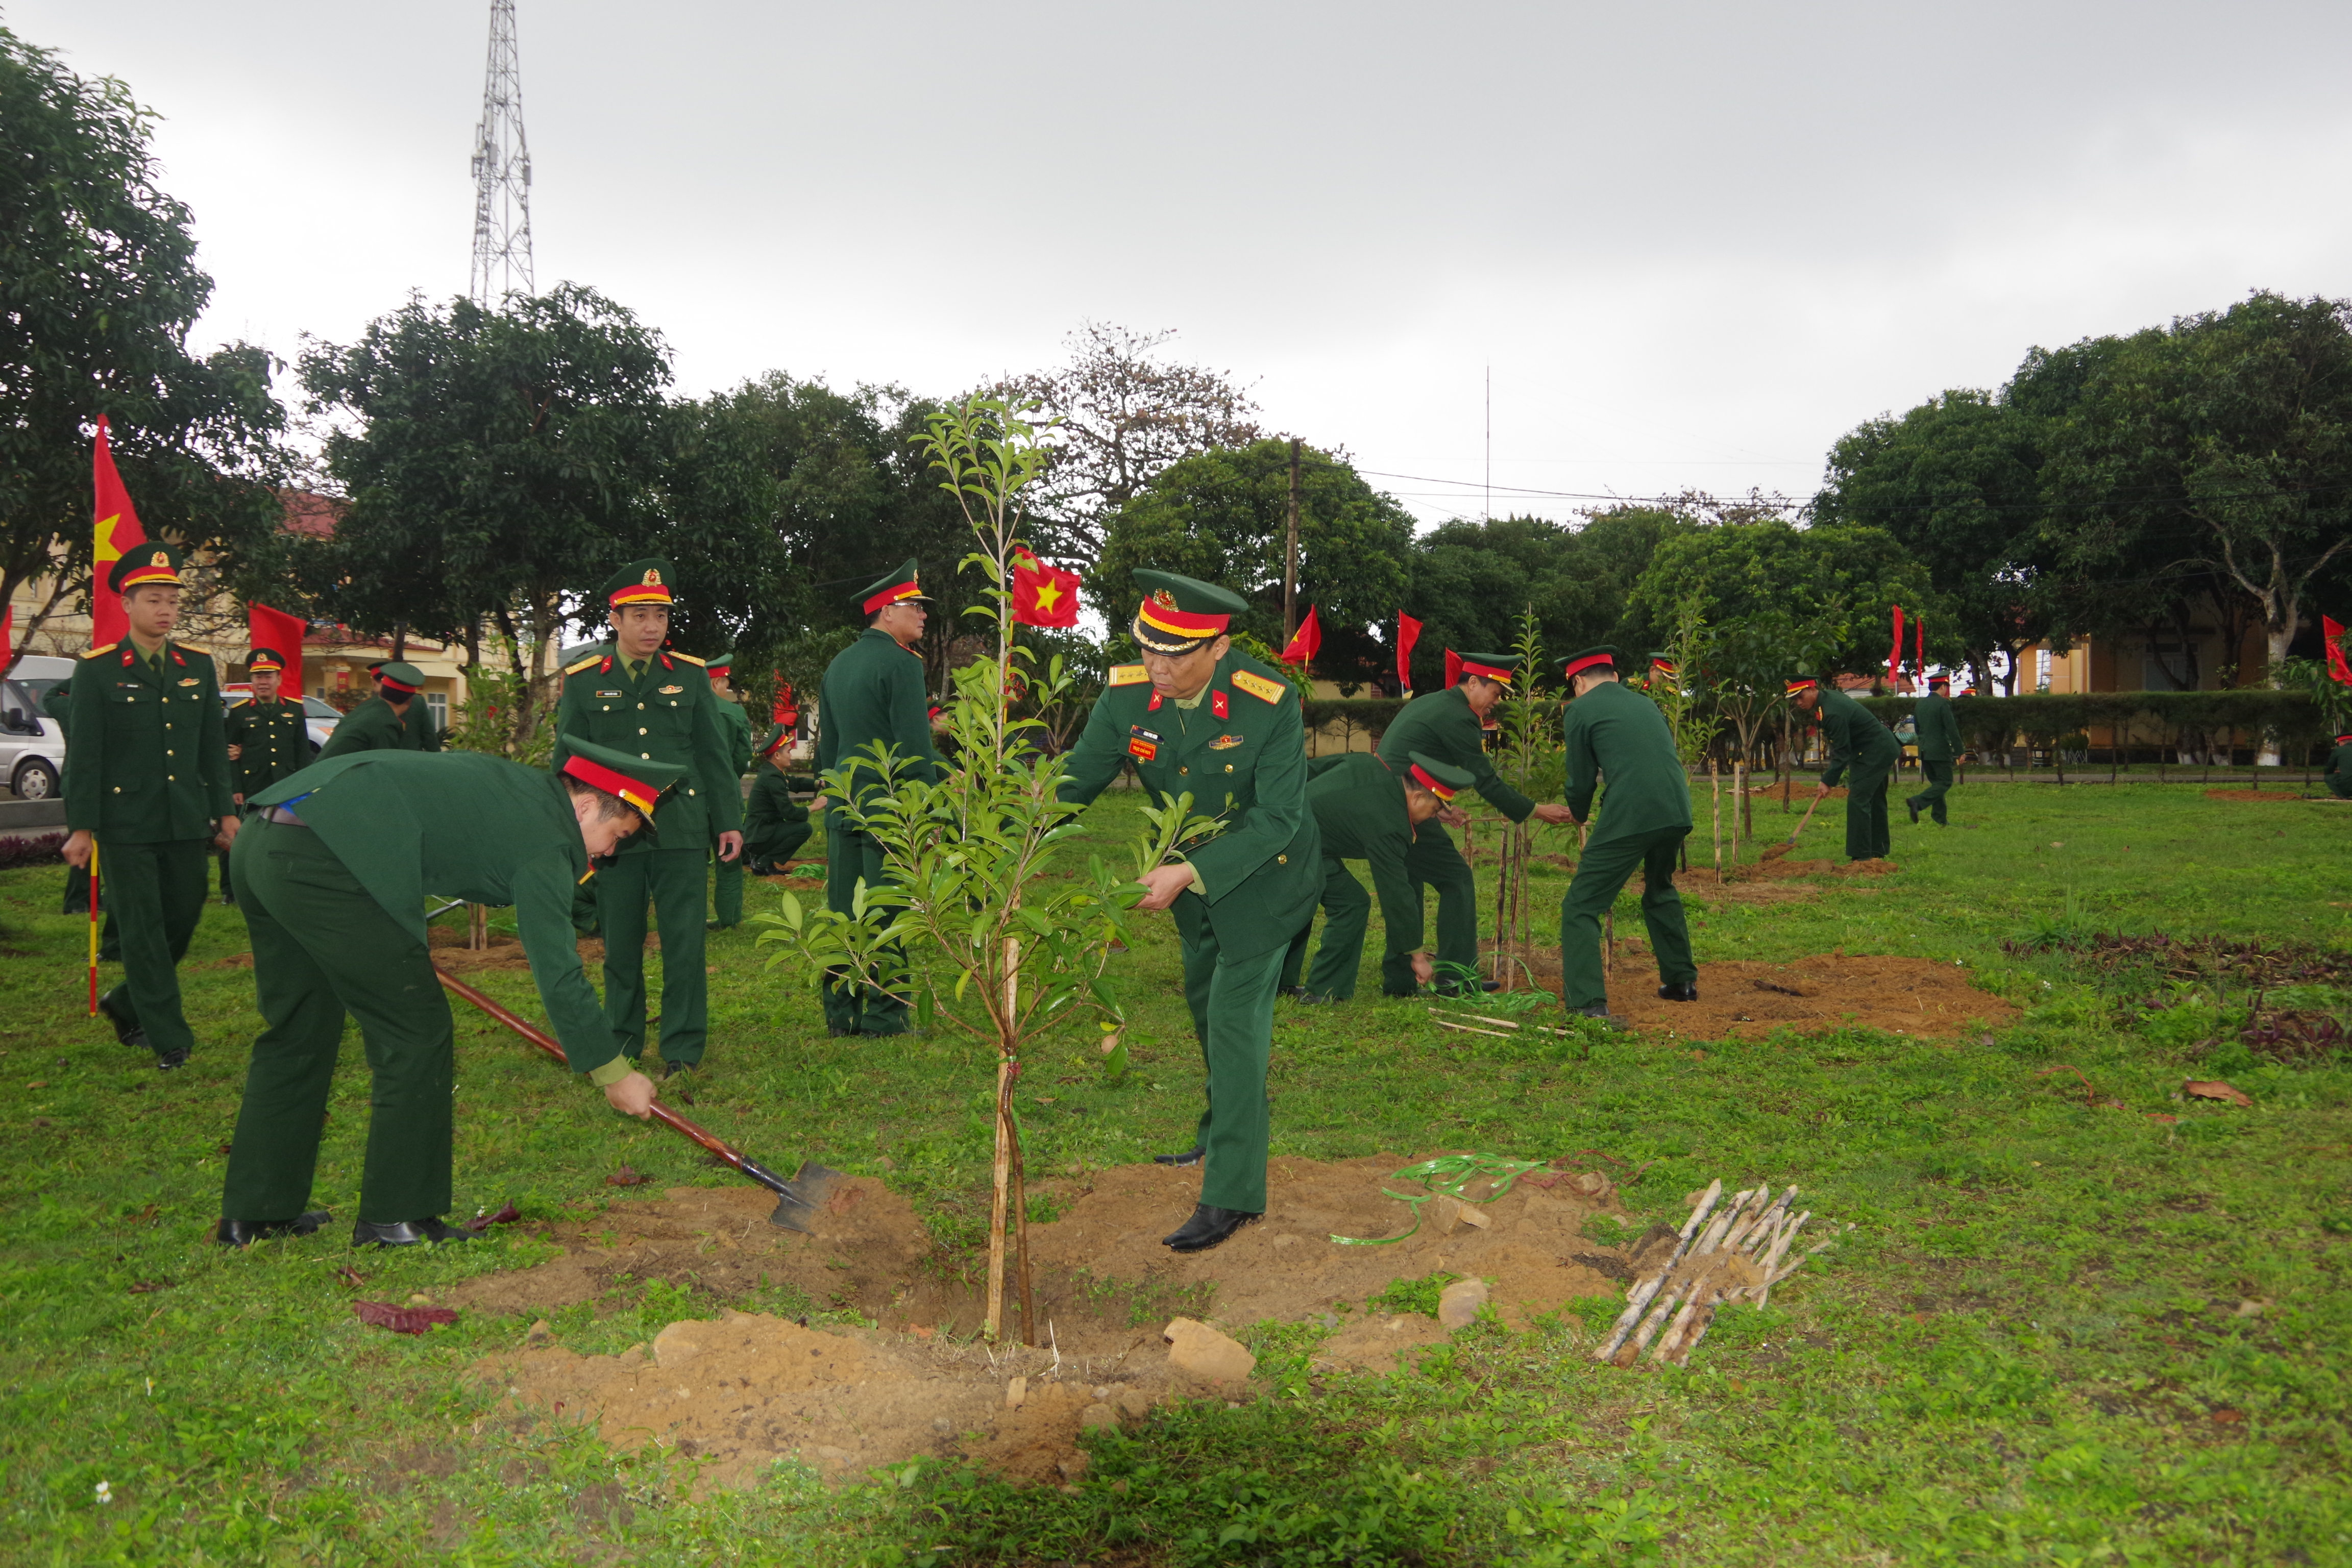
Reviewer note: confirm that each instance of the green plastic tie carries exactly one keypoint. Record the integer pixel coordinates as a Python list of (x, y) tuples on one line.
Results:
[(1445, 1176)]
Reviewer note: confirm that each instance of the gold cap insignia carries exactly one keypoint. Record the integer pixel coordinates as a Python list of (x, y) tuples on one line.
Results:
[(158, 559), (1165, 598), (653, 578)]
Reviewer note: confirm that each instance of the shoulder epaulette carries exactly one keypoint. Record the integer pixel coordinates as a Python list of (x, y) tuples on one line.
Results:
[(1127, 674), (240, 699), (110, 647), (576, 666), (690, 659), (1259, 687)]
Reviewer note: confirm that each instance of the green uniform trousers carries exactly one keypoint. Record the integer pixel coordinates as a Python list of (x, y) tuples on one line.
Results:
[(1599, 877), (1231, 1002), (674, 881), (1867, 834), (1433, 861), (157, 893), (1347, 913), (850, 1007), (2338, 784), (726, 889), (1939, 782), (77, 903), (322, 948), (777, 846)]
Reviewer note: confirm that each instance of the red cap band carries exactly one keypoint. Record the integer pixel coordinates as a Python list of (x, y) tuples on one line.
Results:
[(1165, 616), (1420, 777), (1577, 665), (1797, 685), (397, 685), (909, 589), (596, 776)]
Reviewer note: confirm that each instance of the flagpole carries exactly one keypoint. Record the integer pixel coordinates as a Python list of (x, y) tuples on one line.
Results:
[(93, 927)]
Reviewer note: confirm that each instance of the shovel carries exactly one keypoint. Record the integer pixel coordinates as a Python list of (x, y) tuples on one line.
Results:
[(797, 1200), (1778, 850)]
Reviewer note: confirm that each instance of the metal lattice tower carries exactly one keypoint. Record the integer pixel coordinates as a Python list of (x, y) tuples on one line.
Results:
[(501, 172)]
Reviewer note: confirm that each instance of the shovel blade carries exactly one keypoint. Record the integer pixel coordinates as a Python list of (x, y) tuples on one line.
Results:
[(798, 1200)]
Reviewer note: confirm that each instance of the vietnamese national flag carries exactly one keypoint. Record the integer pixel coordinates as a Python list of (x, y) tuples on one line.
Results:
[(117, 530), (1305, 642), (1408, 634), (281, 634), (1895, 655), (2336, 664), (783, 712), (1042, 595)]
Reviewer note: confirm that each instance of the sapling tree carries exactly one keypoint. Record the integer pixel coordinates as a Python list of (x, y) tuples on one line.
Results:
[(1530, 741), (980, 917)]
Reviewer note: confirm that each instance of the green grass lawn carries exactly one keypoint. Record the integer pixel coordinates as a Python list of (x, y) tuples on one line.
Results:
[(2054, 1334)]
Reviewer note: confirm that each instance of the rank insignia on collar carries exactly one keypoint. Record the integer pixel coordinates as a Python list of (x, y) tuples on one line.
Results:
[(1151, 706), (671, 690), (1227, 742), (1218, 706)]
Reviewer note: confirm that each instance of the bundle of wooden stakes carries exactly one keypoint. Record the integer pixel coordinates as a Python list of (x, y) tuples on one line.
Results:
[(1737, 1257)]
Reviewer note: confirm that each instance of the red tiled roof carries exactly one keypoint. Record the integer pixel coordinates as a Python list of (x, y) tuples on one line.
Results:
[(307, 513)]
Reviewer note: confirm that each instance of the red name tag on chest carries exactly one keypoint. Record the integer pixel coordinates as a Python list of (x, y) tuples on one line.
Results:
[(1141, 749)]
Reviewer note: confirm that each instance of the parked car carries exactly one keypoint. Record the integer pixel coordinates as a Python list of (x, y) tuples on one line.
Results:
[(32, 745), (320, 716)]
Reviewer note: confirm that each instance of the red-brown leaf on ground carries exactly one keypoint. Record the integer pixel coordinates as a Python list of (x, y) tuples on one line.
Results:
[(482, 1222), (401, 1319), (2160, 1116), (2228, 1416), (147, 1287), (2214, 1088), (350, 1277), (625, 1177)]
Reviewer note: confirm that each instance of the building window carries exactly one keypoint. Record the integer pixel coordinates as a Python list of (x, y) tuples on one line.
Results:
[(2168, 667), (438, 701), (2042, 670)]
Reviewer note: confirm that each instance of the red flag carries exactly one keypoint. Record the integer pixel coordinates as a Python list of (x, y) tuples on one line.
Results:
[(1042, 595), (2336, 665), (117, 529), (1894, 657), (1305, 642), (783, 712), (281, 634), (7, 638), (1919, 632), (1453, 669), (1408, 634)]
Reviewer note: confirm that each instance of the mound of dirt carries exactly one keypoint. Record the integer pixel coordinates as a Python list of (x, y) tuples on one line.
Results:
[(447, 943), (1748, 1000)]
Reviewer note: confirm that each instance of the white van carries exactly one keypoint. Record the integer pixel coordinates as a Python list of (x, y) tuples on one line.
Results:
[(32, 744)]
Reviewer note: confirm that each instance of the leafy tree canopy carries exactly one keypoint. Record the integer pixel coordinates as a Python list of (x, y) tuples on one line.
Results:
[(1832, 587)]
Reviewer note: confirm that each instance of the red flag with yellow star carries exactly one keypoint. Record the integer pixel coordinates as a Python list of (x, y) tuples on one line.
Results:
[(1042, 595), (117, 530)]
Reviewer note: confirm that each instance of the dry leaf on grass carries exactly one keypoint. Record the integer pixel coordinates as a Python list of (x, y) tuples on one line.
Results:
[(2214, 1088), (147, 1287), (352, 1278), (401, 1319), (2160, 1116), (506, 1216), (625, 1177)]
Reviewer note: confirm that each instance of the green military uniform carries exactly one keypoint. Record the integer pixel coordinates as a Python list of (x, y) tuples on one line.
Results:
[(664, 711), (1239, 749), (1862, 752), (150, 780), (1360, 814), (1618, 737), (727, 875), (58, 705), (1442, 725), (268, 741), (376, 725), (872, 694), (332, 883), (1939, 746), (2339, 769), (774, 823)]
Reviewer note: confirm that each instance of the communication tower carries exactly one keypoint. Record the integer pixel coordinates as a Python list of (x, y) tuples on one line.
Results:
[(501, 172)]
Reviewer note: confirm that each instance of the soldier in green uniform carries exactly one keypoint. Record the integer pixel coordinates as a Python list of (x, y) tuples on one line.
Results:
[(148, 791), (774, 823), (57, 703), (2339, 769), (391, 720), (1861, 750), (1197, 718), (1940, 747), (872, 695), (727, 875), (655, 705), (332, 872), (1365, 812), (266, 739), (1617, 737), (1450, 725)]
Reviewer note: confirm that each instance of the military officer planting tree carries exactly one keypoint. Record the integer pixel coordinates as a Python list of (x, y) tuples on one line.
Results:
[(1365, 812), (657, 706), (1617, 737), (1940, 747), (332, 873), (872, 695), (1197, 718), (384, 722), (1450, 725), (774, 823), (147, 790), (1862, 752), (727, 875)]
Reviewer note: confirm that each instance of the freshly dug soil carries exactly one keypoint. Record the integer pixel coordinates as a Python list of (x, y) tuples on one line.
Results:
[(447, 945)]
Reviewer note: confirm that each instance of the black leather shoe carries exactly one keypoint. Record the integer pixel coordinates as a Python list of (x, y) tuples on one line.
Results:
[(1209, 1225), (1680, 990), (1602, 1011), (676, 1069), (1315, 999), (245, 1232), (1296, 993), (1191, 1156), (837, 1030), (1915, 812), (405, 1233), (126, 1027), (167, 1060)]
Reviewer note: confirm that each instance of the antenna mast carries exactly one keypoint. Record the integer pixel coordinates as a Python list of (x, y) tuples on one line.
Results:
[(501, 172)]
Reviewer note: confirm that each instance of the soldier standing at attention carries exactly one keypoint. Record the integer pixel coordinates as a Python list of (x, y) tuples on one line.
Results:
[(2339, 769), (1940, 747), (727, 875), (1364, 812), (774, 823), (266, 739), (1863, 750), (333, 875), (382, 722), (654, 705), (147, 791), (1617, 737), (1450, 725), (1197, 718), (872, 695)]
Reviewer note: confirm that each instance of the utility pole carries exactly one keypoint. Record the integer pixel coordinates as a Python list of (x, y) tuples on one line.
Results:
[(1490, 443), (1290, 555), (501, 172)]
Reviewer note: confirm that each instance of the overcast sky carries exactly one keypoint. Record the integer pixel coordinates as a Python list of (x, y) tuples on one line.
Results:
[(1696, 243)]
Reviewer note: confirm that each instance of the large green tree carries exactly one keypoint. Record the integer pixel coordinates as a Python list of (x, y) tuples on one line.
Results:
[(1832, 588), (99, 285), (1223, 517)]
